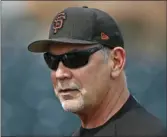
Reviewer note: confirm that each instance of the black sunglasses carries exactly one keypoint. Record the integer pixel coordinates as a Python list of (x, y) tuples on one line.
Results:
[(73, 59)]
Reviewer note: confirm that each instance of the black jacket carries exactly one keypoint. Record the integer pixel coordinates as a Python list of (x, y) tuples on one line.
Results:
[(131, 121)]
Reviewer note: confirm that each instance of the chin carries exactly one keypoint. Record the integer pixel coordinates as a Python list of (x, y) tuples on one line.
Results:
[(72, 105)]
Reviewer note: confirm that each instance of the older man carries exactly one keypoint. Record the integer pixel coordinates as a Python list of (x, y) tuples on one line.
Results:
[(85, 52)]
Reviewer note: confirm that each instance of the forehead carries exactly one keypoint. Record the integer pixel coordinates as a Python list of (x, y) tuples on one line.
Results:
[(63, 48)]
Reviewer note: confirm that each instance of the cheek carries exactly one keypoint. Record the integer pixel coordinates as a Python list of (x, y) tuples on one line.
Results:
[(53, 78), (93, 77), (95, 74), (85, 76)]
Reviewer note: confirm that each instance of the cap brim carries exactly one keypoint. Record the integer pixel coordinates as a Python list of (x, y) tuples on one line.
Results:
[(43, 45)]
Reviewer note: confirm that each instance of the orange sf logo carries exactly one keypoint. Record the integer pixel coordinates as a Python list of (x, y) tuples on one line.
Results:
[(58, 22)]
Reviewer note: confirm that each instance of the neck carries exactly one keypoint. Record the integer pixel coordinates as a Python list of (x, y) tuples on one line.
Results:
[(110, 105)]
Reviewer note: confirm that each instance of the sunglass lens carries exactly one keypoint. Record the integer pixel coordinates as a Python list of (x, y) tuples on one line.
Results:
[(75, 60), (52, 62)]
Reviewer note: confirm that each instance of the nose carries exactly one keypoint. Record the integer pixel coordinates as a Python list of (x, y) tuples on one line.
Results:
[(62, 72)]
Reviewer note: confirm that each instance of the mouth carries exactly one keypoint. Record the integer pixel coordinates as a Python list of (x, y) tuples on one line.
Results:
[(67, 90), (68, 94)]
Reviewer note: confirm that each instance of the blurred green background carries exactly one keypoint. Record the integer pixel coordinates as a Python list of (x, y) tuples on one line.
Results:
[(28, 103)]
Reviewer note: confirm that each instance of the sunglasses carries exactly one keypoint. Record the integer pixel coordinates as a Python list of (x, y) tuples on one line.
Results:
[(73, 59)]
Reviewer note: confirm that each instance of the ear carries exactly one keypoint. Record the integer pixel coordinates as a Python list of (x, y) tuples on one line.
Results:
[(118, 56)]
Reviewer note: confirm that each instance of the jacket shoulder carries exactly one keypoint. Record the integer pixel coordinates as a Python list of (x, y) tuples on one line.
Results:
[(139, 121)]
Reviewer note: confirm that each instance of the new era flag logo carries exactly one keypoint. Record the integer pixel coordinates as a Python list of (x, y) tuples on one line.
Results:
[(104, 36)]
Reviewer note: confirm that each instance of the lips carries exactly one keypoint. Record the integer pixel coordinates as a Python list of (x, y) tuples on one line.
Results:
[(67, 90)]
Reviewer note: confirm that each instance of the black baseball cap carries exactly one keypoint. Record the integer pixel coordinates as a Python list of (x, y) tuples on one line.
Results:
[(81, 25)]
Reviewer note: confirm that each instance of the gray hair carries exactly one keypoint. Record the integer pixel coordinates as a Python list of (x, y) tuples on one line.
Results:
[(106, 52)]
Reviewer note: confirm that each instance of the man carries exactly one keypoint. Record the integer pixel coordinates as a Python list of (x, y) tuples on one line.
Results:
[(85, 52)]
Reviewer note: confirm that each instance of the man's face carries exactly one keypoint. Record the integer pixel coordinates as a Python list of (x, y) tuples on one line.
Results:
[(84, 87)]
